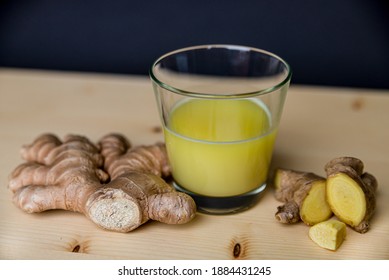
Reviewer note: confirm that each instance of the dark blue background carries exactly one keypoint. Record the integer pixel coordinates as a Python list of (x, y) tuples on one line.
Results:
[(327, 42)]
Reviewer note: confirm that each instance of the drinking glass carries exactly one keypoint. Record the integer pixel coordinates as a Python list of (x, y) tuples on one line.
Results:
[(220, 107)]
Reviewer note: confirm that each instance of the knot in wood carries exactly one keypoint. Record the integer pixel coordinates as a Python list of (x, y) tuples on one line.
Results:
[(236, 250)]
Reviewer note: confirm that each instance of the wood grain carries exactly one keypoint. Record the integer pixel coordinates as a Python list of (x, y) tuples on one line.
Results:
[(318, 123)]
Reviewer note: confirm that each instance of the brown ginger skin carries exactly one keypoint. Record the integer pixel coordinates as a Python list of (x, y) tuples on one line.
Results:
[(69, 175), (57, 175), (286, 183), (345, 176)]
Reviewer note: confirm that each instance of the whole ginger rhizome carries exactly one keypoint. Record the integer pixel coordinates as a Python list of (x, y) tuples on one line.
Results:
[(116, 186)]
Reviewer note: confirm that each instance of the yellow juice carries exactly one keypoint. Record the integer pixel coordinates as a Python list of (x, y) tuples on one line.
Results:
[(220, 148)]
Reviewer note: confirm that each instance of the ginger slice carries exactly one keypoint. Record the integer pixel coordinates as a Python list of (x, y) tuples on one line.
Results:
[(304, 196), (329, 234), (314, 208), (347, 199), (351, 193)]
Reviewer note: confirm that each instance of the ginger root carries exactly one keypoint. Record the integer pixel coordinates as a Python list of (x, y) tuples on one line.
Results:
[(329, 234), (304, 196), (142, 168), (350, 192), (69, 175)]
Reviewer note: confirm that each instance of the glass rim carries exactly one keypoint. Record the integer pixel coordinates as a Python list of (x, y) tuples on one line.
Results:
[(230, 95)]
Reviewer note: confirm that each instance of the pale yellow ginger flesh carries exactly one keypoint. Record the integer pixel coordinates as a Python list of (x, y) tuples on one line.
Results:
[(329, 234), (347, 199), (314, 208), (351, 192), (304, 197)]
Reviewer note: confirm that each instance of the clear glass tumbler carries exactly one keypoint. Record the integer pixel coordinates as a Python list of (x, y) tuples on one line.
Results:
[(220, 106)]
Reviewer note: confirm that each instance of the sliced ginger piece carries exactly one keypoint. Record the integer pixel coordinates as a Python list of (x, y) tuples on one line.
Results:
[(347, 199), (314, 208), (329, 234), (304, 196), (351, 193)]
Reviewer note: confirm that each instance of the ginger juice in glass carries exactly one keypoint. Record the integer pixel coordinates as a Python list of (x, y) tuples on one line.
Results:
[(220, 106)]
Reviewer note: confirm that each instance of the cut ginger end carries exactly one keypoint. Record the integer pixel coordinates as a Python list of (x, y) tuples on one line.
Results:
[(346, 199), (315, 208), (329, 234)]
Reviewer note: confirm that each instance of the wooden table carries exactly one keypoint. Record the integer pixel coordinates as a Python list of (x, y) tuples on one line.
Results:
[(319, 123)]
